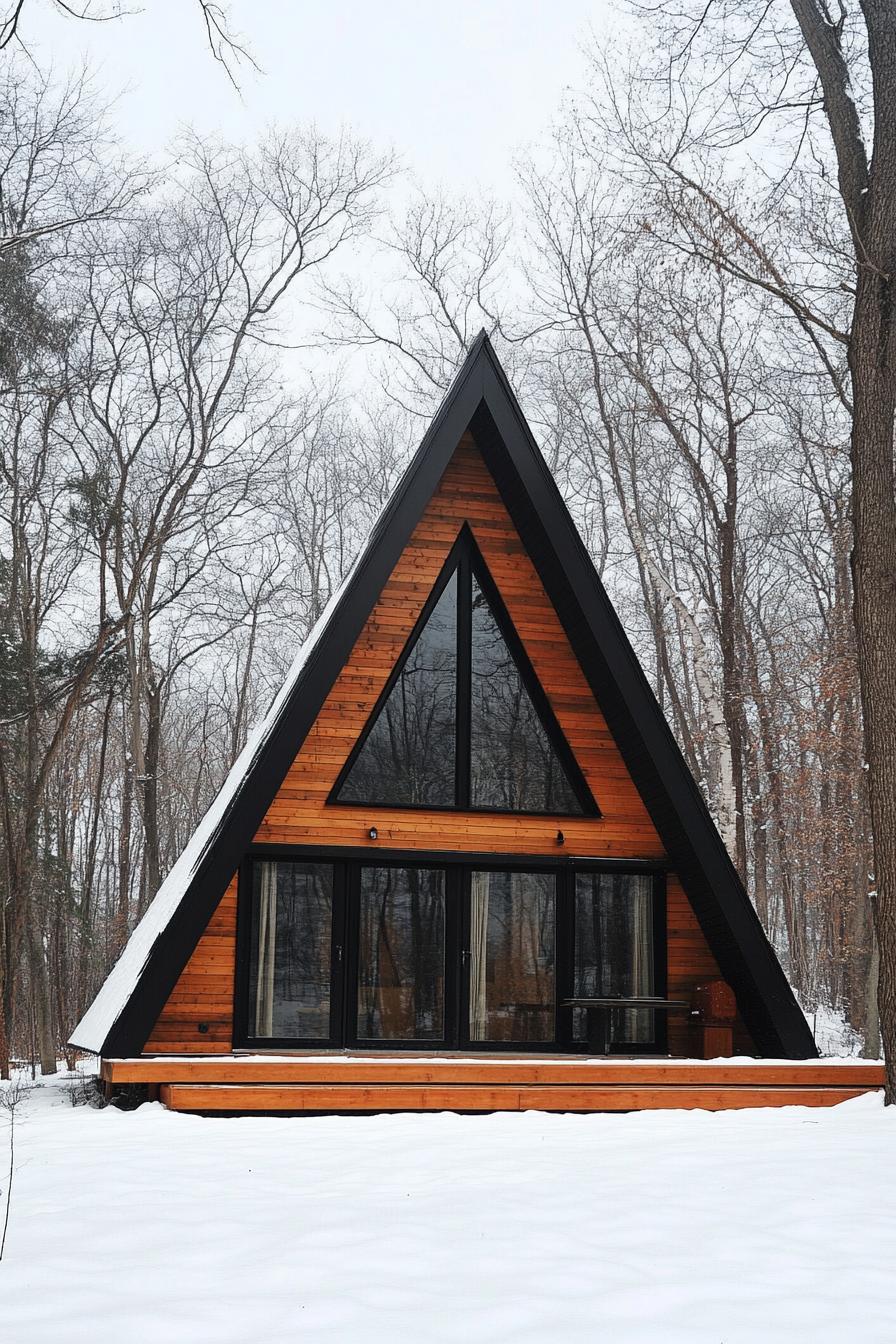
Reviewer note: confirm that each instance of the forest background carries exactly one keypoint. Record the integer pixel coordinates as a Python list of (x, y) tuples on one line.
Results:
[(216, 358)]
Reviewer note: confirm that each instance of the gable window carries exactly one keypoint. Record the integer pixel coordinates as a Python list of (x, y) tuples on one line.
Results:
[(463, 721), (409, 749)]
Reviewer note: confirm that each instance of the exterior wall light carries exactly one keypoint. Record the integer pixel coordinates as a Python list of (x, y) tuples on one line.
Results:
[(373, 833)]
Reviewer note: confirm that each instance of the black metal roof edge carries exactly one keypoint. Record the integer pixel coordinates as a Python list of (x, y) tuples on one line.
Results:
[(726, 914), (481, 393), (241, 820)]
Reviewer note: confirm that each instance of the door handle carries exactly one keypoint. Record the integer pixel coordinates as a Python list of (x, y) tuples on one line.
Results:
[(338, 953), (465, 956)]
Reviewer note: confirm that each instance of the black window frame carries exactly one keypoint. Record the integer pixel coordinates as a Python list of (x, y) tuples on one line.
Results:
[(347, 862), (245, 927), (465, 558), (351, 1039)]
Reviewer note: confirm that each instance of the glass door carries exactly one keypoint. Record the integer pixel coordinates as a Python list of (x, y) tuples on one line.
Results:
[(511, 958), (615, 930), (400, 967), (422, 955), (295, 953)]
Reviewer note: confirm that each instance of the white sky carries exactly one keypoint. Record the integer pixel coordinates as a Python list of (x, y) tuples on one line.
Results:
[(455, 88)]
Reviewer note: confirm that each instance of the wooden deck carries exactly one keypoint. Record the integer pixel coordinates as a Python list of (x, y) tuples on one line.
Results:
[(355, 1082)]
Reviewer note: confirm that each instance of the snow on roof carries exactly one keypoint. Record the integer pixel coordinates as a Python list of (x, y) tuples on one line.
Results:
[(94, 1027)]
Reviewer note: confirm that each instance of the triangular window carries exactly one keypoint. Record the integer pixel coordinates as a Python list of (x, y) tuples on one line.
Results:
[(407, 754), (463, 721), (513, 764)]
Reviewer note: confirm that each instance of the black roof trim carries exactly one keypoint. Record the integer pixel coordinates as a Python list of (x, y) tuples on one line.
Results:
[(481, 400)]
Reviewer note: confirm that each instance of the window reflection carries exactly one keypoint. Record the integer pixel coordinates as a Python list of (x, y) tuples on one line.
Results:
[(408, 756), (451, 689), (513, 765), (401, 954), (289, 973), (614, 949), (512, 957)]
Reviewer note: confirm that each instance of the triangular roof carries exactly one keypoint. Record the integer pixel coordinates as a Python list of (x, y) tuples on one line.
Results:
[(479, 400)]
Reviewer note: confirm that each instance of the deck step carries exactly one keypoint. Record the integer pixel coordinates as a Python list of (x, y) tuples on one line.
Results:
[(363, 1082), (298, 1097), (491, 1072)]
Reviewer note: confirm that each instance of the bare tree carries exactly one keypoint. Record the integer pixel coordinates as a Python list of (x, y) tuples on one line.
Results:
[(721, 445), (226, 45), (826, 83), (183, 415), (52, 137), (145, 423), (443, 269), (670, 380), (59, 167), (11, 1099)]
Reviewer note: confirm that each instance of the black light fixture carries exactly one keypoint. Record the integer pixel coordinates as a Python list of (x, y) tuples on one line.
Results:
[(561, 838), (372, 833)]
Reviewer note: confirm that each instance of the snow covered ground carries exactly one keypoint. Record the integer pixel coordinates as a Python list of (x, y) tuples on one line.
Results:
[(832, 1031), (673, 1227)]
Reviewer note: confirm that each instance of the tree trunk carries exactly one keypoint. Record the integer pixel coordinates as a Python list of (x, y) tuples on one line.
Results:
[(123, 894), (874, 580), (42, 1002), (4, 1036), (149, 796), (872, 1021), (868, 187)]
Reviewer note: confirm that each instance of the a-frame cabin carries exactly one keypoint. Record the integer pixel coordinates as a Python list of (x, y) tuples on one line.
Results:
[(463, 810)]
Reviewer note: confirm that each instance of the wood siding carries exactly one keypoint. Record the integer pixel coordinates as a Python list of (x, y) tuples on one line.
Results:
[(204, 992), (688, 960), (300, 814)]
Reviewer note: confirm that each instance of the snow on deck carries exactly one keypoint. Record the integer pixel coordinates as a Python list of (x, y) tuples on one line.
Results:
[(648, 1228), (447, 1057)]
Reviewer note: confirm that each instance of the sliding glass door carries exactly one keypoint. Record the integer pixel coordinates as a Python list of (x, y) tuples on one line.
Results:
[(291, 990), (437, 955), (614, 950), (401, 958), (512, 985)]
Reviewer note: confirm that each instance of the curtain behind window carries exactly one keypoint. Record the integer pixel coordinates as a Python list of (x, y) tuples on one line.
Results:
[(479, 884), (267, 950)]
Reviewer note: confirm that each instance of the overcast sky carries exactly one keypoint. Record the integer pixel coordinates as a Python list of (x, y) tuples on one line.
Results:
[(455, 88)]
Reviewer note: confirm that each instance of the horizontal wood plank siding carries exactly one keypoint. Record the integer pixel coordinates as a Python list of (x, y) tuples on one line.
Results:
[(204, 991), (300, 814)]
